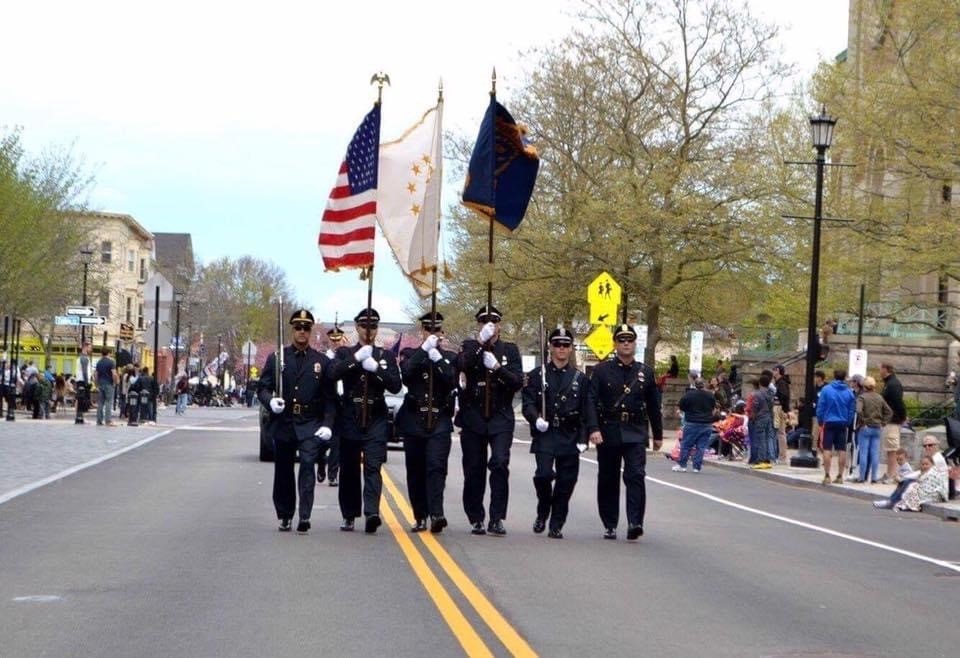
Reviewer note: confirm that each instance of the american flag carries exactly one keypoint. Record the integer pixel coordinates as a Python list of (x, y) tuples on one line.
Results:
[(347, 228)]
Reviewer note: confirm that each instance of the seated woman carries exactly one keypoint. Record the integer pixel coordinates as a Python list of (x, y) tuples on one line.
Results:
[(930, 487)]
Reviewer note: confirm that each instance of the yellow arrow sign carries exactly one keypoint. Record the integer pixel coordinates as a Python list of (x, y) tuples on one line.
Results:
[(603, 293), (600, 341)]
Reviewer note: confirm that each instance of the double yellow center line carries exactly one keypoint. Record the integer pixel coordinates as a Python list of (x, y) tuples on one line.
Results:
[(462, 629)]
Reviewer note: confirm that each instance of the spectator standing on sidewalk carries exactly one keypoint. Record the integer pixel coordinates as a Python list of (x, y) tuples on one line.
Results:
[(873, 412), (107, 380), (893, 394), (699, 409), (835, 409), (762, 433), (953, 381), (781, 381), (148, 392), (183, 391)]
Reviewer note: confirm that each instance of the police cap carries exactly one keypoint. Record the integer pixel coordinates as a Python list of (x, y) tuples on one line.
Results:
[(336, 333), (561, 336), (624, 331), (488, 313), (368, 317), (301, 315), (431, 321)]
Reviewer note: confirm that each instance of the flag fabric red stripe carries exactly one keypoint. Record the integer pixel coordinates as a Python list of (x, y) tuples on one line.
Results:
[(332, 239), (347, 230)]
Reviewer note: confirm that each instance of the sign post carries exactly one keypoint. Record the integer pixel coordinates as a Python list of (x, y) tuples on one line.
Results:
[(696, 352)]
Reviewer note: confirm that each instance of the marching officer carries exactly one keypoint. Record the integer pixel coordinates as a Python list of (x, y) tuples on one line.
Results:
[(561, 435), (299, 421), (366, 372), (493, 375), (425, 421), (337, 339), (625, 400)]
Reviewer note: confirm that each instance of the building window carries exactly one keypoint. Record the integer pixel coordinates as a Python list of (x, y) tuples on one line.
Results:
[(946, 194), (140, 316), (106, 252), (143, 269), (104, 304), (128, 314), (131, 260)]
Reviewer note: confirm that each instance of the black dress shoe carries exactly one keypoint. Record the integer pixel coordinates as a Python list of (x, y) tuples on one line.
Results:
[(333, 482), (347, 525), (303, 527), (419, 526), (437, 524), (634, 531), (477, 529), (610, 533), (539, 525), (373, 522), (555, 533), (496, 528), (285, 525)]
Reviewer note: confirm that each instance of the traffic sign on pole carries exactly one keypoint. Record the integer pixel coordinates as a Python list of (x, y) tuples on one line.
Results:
[(603, 294), (600, 340), (98, 320), (67, 320), (82, 311)]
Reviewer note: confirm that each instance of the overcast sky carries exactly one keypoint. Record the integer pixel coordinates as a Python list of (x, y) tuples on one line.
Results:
[(229, 120)]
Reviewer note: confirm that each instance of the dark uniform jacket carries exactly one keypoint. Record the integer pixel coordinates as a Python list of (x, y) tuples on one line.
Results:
[(504, 382), (625, 399), (385, 378), (308, 394), (418, 402), (568, 409)]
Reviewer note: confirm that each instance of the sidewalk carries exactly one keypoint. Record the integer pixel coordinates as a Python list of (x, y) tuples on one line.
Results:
[(813, 477), (31, 450)]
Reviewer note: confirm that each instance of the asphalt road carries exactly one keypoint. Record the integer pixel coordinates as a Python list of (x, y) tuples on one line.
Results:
[(172, 549)]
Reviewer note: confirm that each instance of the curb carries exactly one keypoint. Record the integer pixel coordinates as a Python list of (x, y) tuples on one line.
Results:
[(942, 511)]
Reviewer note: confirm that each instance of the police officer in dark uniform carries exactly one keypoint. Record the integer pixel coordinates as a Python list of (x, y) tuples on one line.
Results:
[(561, 435), (366, 372), (425, 421), (624, 396), (494, 374), (300, 420), (337, 339)]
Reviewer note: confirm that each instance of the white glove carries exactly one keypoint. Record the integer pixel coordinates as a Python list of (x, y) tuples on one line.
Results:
[(430, 343), (542, 425), (434, 355), (363, 353), (370, 364), (331, 354), (582, 447), (324, 434), (486, 332), (277, 405), (489, 360)]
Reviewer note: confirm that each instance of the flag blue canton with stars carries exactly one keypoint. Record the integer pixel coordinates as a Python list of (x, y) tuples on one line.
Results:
[(363, 153)]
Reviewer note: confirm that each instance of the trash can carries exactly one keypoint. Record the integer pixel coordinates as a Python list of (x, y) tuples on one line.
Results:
[(133, 408)]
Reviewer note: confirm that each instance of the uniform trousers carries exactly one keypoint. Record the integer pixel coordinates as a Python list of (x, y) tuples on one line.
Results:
[(426, 459), (285, 446), (476, 461), (554, 487), (371, 449), (333, 458), (633, 458)]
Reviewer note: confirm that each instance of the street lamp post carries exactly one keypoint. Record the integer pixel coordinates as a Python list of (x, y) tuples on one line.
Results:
[(85, 255), (821, 131), (178, 298), (219, 348)]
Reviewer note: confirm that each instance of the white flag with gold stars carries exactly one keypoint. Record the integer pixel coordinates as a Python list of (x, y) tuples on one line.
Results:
[(408, 202)]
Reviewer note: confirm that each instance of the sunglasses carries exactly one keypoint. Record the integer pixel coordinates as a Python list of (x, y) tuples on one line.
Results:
[(301, 326), (558, 344), (487, 319), (626, 339), (929, 445)]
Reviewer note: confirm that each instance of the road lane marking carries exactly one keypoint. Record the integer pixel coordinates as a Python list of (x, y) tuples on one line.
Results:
[(510, 638), (27, 488), (469, 639), (802, 524)]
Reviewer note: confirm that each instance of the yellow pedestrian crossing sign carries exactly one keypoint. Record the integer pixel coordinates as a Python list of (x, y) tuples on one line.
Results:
[(603, 293), (600, 340)]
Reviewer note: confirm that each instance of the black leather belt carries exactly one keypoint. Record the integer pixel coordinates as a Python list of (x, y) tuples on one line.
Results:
[(625, 417), (300, 409)]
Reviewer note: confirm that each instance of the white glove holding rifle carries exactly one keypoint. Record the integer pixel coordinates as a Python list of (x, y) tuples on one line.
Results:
[(277, 405), (363, 353)]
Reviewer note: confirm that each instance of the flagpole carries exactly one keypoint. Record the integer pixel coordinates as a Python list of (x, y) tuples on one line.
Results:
[(486, 388), (433, 290), (379, 78)]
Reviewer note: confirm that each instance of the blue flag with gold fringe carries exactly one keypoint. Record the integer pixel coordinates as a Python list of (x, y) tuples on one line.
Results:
[(503, 169)]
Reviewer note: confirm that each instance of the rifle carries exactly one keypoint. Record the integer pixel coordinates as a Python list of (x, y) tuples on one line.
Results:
[(278, 363), (543, 373)]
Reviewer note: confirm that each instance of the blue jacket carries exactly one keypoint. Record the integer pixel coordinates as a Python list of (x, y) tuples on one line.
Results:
[(836, 403)]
